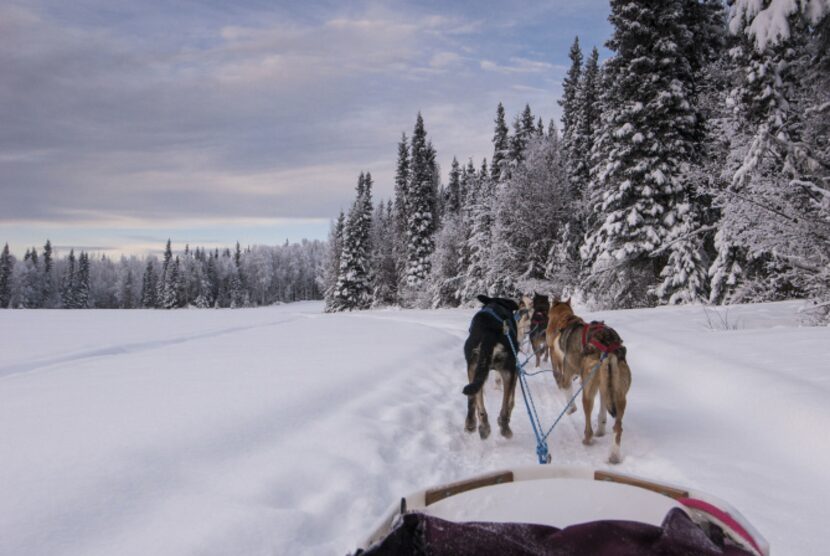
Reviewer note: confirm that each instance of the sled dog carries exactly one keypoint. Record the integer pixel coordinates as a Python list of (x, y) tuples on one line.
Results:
[(576, 348), (486, 348), (538, 327)]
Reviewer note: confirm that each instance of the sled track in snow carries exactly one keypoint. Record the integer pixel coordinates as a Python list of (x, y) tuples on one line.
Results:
[(131, 348)]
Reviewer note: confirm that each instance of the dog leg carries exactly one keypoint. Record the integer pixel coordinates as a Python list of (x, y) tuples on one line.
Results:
[(539, 349), (588, 407), (569, 392), (616, 456), (470, 422), (508, 379), (483, 421), (602, 418)]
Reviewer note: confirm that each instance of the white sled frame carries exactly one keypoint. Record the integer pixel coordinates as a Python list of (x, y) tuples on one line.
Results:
[(663, 495)]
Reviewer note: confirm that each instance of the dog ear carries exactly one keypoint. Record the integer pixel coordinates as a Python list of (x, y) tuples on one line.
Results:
[(484, 299), (508, 304), (568, 301)]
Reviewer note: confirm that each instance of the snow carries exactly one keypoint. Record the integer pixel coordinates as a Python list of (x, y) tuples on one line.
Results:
[(285, 430)]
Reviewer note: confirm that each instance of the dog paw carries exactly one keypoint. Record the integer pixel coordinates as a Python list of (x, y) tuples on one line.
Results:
[(587, 441), (506, 432), (572, 410), (484, 431), (600, 432), (469, 427)]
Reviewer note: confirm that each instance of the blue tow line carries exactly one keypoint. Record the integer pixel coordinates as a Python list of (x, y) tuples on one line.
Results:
[(542, 451)]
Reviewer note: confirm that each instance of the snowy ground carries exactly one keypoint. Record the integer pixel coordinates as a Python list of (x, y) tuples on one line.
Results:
[(282, 430)]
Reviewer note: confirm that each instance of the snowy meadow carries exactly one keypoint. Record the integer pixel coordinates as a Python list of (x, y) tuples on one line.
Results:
[(284, 430)]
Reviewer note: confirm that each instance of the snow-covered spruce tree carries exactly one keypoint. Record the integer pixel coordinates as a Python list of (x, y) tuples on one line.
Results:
[(777, 207), (68, 283), (30, 295), (524, 130), (434, 170), (149, 286), (332, 262), (480, 219), (570, 101), (48, 282), (643, 149), (353, 289), (170, 298), (420, 225), (163, 279), (453, 198), (446, 278), (6, 269), (82, 282), (500, 167), (401, 212), (565, 262), (383, 262), (127, 300)]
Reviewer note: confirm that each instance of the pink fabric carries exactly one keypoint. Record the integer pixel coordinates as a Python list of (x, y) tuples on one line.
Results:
[(722, 516)]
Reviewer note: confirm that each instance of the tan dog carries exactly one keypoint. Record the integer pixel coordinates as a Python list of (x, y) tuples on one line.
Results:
[(576, 348)]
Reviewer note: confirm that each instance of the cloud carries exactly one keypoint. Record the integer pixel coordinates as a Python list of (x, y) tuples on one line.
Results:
[(517, 65), (133, 114)]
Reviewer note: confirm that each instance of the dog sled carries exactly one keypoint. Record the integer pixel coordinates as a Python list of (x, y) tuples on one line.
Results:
[(558, 510)]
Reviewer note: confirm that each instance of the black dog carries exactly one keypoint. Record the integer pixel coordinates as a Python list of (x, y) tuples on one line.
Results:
[(488, 347)]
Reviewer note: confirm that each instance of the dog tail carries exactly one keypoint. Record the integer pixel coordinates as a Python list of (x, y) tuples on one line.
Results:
[(485, 356)]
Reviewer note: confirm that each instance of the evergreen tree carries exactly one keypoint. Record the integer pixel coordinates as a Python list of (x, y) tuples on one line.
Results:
[(570, 99), (30, 282), (353, 288), (645, 144), (127, 301), (479, 241), (149, 287), (384, 271), (332, 264), (82, 283), (68, 284), (420, 217), (170, 297), (446, 279), (453, 193), (48, 281), (401, 211), (501, 148), (524, 131), (6, 268)]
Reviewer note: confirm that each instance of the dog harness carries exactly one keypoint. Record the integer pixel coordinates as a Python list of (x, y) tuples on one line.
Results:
[(592, 328)]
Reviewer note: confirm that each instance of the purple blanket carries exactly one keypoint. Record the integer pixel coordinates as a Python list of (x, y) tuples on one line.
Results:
[(423, 535)]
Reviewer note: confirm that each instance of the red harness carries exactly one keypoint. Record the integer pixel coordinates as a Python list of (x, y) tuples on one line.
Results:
[(593, 328)]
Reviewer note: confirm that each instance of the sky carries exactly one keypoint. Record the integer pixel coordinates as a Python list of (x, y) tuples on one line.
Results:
[(125, 123)]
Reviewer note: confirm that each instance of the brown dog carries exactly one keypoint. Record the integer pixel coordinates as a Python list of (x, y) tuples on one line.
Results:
[(576, 348)]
